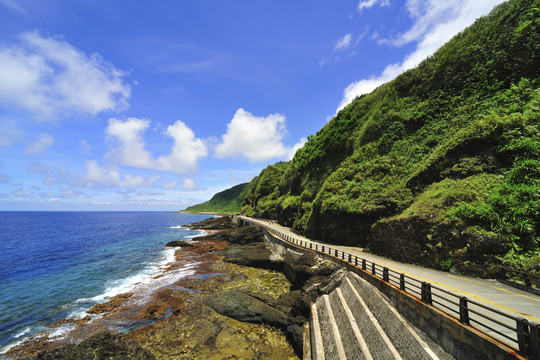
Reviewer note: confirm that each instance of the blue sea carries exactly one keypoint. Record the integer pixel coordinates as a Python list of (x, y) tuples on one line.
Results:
[(55, 265)]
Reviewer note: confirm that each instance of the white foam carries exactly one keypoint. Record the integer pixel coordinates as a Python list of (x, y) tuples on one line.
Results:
[(6, 348), (196, 233), (24, 332), (143, 283), (61, 331)]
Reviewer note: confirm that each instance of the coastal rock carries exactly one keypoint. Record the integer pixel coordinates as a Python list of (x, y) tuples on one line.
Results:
[(103, 345), (70, 321), (239, 236), (178, 243), (253, 255), (110, 305), (308, 268), (248, 307), (220, 223)]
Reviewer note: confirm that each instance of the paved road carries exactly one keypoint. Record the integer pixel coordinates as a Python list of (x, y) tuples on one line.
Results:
[(490, 292)]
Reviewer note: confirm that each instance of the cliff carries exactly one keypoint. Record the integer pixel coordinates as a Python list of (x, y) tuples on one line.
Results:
[(226, 201), (438, 167)]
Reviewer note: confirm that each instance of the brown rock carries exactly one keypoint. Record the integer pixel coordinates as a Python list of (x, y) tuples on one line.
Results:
[(70, 321), (110, 305)]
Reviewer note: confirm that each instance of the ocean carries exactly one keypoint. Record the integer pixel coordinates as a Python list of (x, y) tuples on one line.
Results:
[(56, 265)]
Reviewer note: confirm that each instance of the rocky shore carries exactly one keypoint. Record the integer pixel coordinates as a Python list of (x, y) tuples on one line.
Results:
[(243, 302)]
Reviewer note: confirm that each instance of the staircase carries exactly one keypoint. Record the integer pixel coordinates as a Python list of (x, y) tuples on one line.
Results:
[(356, 322)]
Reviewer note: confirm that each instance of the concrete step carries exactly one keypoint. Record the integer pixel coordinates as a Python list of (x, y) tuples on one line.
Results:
[(410, 342), (357, 322), (317, 349), (379, 344), (330, 336), (354, 344)]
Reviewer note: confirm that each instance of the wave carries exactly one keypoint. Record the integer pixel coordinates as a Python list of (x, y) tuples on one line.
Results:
[(144, 283)]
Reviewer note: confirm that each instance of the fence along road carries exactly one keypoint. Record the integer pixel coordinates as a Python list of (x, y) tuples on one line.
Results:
[(503, 312)]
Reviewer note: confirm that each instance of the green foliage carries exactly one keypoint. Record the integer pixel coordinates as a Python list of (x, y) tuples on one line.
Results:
[(227, 201), (456, 139)]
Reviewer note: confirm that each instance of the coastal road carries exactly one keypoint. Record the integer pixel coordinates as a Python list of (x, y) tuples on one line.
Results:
[(490, 292)]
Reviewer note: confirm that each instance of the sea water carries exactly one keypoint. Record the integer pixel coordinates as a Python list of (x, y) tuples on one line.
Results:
[(55, 265)]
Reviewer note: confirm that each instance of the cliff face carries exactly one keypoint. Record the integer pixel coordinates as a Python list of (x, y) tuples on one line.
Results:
[(440, 166), (226, 201)]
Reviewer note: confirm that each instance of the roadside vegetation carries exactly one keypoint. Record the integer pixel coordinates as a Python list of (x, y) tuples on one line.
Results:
[(439, 166)]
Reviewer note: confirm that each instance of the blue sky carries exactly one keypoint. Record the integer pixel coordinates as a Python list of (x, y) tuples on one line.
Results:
[(145, 105)]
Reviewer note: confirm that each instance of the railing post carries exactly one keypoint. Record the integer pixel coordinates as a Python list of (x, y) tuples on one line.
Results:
[(356, 260), (335, 253), (522, 328), (364, 264), (402, 282), (426, 293), (373, 270), (323, 248), (385, 275), (310, 245), (534, 331), (350, 258), (464, 310), (343, 255)]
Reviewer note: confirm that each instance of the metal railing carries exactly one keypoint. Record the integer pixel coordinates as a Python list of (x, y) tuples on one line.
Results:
[(518, 333)]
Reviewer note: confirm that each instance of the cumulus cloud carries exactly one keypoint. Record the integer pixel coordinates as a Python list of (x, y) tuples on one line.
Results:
[(434, 23), (23, 193), (9, 132), (49, 78), (131, 147), (38, 147), (254, 138), (171, 185), (344, 42), (84, 147), (97, 177), (185, 154), (189, 185), (366, 4), (295, 148)]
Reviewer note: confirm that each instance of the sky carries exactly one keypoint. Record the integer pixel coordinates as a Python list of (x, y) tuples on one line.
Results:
[(158, 105)]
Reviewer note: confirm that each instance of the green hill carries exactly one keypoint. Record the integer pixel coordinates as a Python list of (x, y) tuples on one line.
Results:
[(439, 167), (227, 201)]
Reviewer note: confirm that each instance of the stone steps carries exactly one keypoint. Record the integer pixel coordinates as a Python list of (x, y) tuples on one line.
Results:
[(356, 322)]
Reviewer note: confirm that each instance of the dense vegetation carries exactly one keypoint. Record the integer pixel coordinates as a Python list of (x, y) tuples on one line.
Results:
[(228, 201), (440, 166)]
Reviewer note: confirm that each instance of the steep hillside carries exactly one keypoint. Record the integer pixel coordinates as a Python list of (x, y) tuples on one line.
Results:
[(440, 166), (227, 201)]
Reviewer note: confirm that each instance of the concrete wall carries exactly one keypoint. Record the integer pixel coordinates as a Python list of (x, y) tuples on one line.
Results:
[(459, 340)]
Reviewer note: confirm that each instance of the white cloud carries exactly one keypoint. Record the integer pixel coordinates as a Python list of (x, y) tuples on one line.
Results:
[(131, 149), (171, 185), (186, 151), (189, 185), (38, 147), (22, 193), (49, 78), (344, 42), (97, 176), (295, 148), (435, 23), (9, 136), (253, 137), (85, 147), (366, 4)]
